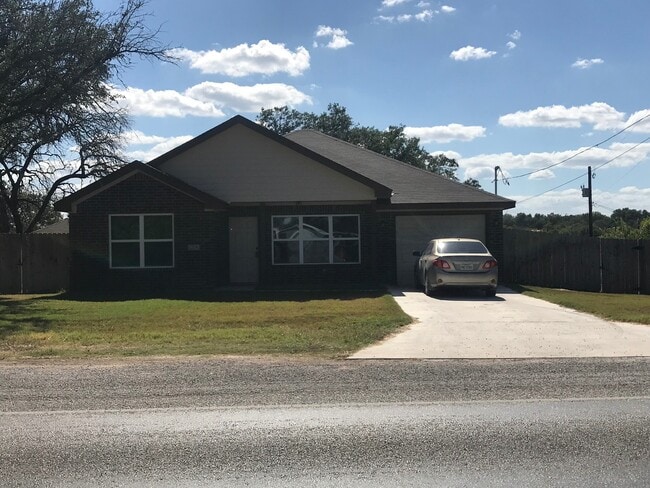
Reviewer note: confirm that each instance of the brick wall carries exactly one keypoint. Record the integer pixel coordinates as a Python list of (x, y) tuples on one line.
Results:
[(494, 234), (202, 268)]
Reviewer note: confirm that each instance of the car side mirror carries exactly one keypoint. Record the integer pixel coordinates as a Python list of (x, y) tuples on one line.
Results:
[(417, 254)]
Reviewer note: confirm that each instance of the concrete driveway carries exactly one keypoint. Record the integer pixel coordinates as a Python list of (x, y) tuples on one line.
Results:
[(468, 325)]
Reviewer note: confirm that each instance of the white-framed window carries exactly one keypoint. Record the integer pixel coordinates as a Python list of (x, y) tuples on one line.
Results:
[(141, 240), (316, 239)]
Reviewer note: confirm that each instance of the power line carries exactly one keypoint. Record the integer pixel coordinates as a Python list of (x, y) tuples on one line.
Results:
[(625, 152), (583, 174), (554, 188), (582, 150)]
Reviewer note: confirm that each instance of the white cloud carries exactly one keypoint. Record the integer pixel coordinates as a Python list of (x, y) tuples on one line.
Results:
[(424, 15), (445, 133), (163, 145), (338, 37), (264, 58), (447, 9), (208, 99), (518, 163), (515, 36), (139, 138), (599, 115), (392, 3), (571, 202), (545, 174), (511, 45), (468, 53), (586, 63), (164, 103), (248, 98)]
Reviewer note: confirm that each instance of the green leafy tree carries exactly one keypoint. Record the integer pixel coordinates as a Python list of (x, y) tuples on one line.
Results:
[(630, 216), (336, 122), (57, 60), (472, 182), (644, 228), (621, 231)]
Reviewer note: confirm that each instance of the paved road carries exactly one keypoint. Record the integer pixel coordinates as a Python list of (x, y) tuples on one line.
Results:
[(261, 422), (590, 442), (510, 325)]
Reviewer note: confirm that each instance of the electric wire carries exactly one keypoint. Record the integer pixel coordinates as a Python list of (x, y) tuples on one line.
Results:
[(583, 174), (582, 151)]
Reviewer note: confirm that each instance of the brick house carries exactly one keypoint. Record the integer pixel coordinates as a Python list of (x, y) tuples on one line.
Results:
[(241, 204)]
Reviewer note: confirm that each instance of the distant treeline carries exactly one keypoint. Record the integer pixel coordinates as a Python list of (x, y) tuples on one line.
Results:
[(624, 223)]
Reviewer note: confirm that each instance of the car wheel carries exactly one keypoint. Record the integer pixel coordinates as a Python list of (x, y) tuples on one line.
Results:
[(491, 292)]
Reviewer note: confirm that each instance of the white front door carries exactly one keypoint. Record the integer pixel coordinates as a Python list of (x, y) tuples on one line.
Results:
[(243, 250)]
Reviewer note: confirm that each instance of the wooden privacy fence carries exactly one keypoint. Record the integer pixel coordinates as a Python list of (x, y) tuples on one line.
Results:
[(34, 263), (576, 262)]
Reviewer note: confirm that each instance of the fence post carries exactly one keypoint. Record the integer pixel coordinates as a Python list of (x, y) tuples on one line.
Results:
[(600, 252)]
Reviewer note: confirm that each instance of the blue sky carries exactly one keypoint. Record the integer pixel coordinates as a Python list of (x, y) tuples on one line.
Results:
[(519, 84)]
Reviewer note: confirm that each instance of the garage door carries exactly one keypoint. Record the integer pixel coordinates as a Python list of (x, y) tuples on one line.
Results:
[(414, 231)]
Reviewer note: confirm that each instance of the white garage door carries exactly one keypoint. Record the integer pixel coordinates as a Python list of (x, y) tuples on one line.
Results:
[(414, 231)]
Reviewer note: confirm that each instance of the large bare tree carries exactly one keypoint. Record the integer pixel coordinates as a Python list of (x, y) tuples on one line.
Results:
[(59, 120)]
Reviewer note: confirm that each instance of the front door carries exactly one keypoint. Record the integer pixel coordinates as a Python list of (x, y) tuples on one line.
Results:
[(243, 250)]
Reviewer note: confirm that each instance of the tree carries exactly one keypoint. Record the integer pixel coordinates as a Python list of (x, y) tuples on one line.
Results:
[(336, 122), (59, 120), (630, 216), (473, 182)]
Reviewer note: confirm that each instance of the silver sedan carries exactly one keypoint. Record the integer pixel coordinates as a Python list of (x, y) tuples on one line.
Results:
[(456, 262)]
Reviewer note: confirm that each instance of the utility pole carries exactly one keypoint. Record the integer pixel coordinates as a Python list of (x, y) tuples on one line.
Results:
[(591, 204), (587, 192), (497, 170)]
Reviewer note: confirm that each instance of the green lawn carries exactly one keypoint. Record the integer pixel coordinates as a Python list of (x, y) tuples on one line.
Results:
[(610, 306), (299, 323)]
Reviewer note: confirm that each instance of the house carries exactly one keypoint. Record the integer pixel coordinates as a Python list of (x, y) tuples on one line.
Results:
[(241, 204)]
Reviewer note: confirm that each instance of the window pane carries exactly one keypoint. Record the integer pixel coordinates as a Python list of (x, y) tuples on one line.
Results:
[(125, 227), (286, 252), (316, 252), (285, 227), (346, 226), (315, 228), (158, 227), (346, 251), (460, 247), (158, 254), (125, 254)]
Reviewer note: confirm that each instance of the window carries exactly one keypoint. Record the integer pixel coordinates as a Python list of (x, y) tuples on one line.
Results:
[(316, 239), (141, 241)]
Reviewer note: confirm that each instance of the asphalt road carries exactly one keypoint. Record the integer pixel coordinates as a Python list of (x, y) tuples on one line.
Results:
[(261, 422)]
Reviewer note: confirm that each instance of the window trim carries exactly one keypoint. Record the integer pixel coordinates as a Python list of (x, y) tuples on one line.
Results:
[(141, 240), (330, 239)]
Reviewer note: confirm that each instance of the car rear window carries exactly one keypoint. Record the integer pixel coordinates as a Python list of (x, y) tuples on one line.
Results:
[(461, 248)]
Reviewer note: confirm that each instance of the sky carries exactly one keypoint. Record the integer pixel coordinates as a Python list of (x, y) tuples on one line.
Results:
[(540, 89)]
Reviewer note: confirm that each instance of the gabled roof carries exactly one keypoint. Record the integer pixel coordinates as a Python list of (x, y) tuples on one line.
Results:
[(410, 185), (381, 190), (210, 202)]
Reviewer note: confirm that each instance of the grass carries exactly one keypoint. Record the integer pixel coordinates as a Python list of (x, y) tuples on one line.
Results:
[(255, 323), (610, 306)]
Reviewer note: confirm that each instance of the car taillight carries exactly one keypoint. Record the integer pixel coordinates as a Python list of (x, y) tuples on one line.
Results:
[(489, 264), (441, 263)]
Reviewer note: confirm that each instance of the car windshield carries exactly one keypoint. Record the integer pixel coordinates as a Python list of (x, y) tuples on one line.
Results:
[(461, 247)]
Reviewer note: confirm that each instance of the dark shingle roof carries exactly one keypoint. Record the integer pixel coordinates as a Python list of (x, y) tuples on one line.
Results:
[(410, 185)]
